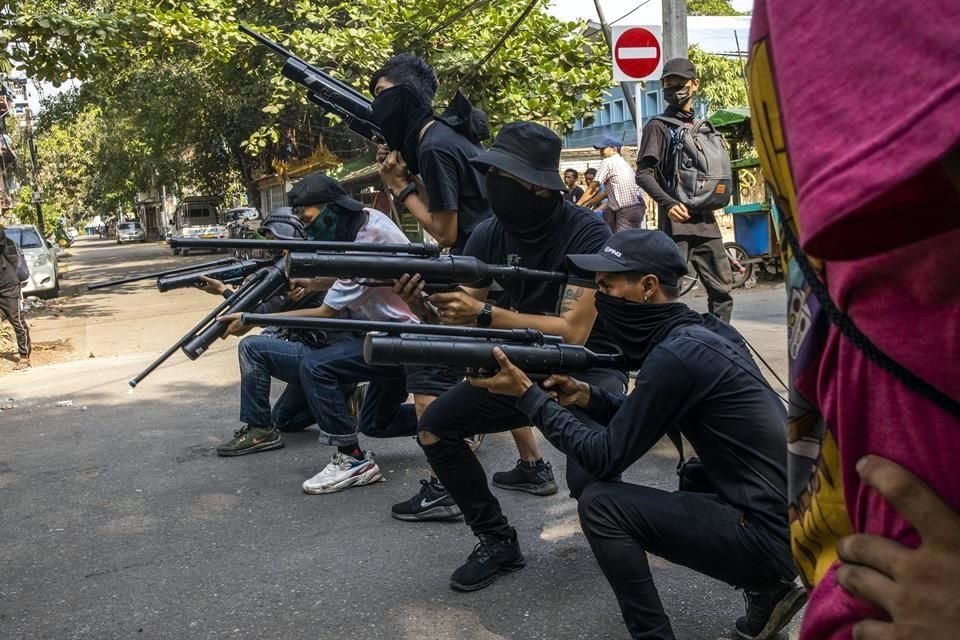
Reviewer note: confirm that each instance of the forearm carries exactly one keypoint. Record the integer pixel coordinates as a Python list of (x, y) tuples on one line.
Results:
[(589, 446), (647, 179), (549, 325), (437, 225), (323, 311)]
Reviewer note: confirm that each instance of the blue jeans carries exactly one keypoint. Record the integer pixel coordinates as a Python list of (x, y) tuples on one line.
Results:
[(263, 358), (322, 374)]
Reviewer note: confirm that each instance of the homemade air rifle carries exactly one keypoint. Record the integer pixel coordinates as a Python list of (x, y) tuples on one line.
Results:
[(391, 343), (261, 285), (163, 274), (443, 271), (326, 91)]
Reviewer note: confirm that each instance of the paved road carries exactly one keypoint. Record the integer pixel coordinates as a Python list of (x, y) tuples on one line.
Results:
[(119, 521)]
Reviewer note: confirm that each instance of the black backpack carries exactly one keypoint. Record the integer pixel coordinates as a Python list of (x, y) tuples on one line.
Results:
[(697, 171)]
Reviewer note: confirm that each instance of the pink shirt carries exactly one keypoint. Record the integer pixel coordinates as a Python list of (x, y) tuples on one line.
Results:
[(855, 106)]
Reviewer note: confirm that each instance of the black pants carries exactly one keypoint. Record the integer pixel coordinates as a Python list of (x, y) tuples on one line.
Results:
[(464, 411), (710, 261), (11, 308), (623, 522)]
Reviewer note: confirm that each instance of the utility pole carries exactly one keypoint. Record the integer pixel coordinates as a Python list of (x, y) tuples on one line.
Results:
[(628, 95), (674, 29)]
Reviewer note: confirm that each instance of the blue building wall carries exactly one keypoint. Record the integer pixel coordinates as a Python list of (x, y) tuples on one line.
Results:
[(613, 117)]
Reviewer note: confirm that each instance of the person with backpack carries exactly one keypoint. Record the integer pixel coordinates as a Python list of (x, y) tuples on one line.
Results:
[(694, 374), (684, 165), (13, 275)]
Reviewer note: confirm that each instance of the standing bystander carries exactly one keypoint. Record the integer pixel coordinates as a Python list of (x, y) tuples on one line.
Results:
[(694, 230), (574, 192), (625, 208), (13, 273)]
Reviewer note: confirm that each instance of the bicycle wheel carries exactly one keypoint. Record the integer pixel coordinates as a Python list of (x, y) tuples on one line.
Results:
[(742, 270)]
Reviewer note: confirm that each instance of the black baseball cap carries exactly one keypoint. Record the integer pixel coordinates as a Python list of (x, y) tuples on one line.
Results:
[(679, 67), (318, 189), (641, 251)]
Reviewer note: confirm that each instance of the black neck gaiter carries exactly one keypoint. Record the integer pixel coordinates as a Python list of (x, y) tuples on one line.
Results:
[(526, 216), (400, 114), (638, 327)]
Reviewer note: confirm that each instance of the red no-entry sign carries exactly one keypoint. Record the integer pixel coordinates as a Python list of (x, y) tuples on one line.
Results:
[(637, 53)]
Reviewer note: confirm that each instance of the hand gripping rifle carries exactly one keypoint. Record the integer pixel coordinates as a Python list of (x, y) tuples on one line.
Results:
[(228, 273), (392, 343), (261, 285), (162, 274), (324, 90)]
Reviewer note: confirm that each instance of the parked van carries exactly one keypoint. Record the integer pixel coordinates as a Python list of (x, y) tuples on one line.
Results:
[(198, 217)]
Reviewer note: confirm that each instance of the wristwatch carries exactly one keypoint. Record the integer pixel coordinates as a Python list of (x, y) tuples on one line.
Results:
[(485, 317), (406, 191)]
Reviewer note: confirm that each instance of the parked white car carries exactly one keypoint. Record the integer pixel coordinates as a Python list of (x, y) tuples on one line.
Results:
[(130, 232), (41, 261)]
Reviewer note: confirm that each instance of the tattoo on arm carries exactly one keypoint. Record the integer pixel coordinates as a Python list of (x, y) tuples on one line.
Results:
[(570, 299)]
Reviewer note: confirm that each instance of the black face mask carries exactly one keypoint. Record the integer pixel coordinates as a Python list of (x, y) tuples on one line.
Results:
[(525, 215), (400, 114), (638, 327), (677, 96)]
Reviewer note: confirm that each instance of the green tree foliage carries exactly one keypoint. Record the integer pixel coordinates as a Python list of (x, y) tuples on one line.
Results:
[(179, 95), (712, 8), (721, 79)]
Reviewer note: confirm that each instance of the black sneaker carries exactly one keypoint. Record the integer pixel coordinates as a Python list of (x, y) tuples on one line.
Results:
[(250, 439), (532, 477), (431, 503), (770, 611), (490, 559)]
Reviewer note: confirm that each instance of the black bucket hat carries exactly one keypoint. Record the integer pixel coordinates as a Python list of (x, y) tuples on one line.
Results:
[(528, 151), (318, 189)]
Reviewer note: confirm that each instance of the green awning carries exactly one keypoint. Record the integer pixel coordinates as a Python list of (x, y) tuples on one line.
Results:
[(728, 117)]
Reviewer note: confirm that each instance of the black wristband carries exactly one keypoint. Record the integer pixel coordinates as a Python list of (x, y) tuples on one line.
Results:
[(406, 191), (485, 317)]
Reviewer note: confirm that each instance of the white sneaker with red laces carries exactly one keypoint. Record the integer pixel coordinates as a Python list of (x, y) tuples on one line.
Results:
[(344, 472)]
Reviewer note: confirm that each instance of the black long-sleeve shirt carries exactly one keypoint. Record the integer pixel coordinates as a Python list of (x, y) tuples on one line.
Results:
[(709, 387)]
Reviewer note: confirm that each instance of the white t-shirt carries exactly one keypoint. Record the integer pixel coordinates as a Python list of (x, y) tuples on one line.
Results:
[(379, 304)]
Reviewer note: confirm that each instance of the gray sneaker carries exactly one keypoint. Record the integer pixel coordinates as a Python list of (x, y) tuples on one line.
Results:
[(249, 439)]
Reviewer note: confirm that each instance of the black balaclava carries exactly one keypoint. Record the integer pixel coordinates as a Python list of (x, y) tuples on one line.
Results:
[(400, 114), (526, 216), (638, 327)]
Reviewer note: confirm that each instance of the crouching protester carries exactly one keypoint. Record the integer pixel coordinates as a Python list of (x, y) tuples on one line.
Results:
[(322, 371), (695, 375), (532, 227), (275, 353)]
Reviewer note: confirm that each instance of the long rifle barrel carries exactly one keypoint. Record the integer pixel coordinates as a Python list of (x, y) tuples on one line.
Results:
[(442, 270), (526, 336), (423, 250), (161, 274)]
